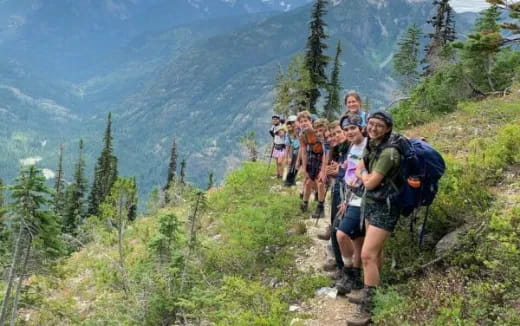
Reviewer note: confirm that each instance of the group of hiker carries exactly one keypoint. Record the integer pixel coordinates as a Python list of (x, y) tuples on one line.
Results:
[(360, 160)]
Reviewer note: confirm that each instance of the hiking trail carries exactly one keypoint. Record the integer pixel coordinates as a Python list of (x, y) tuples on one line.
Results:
[(324, 310)]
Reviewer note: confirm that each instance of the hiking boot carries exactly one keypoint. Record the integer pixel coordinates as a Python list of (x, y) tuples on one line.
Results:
[(320, 211), (362, 296), (364, 312), (360, 317), (344, 284), (304, 206), (325, 235), (330, 266), (337, 275), (350, 281)]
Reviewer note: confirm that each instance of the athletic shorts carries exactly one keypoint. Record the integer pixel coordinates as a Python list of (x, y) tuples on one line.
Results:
[(278, 153), (377, 214), (350, 224)]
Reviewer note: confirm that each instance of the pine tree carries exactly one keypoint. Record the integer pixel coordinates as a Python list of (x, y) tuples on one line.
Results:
[(293, 87), (211, 181), (30, 199), (172, 167), (443, 24), (315, 59), (333, 107), (183, 171), (480, 50), (75, 208), (105, 172), (59, 186), (249, 142), (282, 98), (132, 211), (514, 12), (406, 59), (116, 208)]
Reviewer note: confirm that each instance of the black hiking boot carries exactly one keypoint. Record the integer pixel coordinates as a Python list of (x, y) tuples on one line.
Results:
[(350, 281), (325, 235), (344, 284), (304, 206), (320, 211), (338, 274), (363, 314)]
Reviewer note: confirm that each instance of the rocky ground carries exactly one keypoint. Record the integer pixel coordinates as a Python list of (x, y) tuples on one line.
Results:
[(326, 308)]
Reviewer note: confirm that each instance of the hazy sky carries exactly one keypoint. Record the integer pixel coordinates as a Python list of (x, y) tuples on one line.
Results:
[(468, 5)]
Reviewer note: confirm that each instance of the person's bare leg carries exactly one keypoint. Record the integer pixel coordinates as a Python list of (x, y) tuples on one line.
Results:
[(345, 246), (321, 191), (371, 254), (309, 186), (357, 245)]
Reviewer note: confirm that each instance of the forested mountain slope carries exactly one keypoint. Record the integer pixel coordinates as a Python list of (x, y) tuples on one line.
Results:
[(241, 266)]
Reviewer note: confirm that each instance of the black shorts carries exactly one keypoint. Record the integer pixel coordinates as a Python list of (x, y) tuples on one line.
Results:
[(351, 223), (379, 215)]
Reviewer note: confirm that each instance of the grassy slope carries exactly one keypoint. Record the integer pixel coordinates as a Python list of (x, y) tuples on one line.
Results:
[(242, 272), (477, 284)]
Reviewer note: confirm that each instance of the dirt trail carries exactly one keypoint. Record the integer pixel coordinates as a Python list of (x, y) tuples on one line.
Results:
[(325, 311)]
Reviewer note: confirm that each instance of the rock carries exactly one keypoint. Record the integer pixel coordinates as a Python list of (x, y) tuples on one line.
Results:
[(327, 292), (450, 240), (294, 308)]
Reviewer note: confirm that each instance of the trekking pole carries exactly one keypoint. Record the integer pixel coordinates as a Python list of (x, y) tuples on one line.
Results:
[(423, 227), (270, 159)]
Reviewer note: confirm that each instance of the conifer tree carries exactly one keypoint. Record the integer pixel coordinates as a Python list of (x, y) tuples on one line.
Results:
[(480, 51), (443, 24), (333, 107), (183, 171), (30, 199), (132, 211), (211, 181), (59, 186), (315, 59), (105, 172), (116, 208), (292, 88), (172, 166), (514, 12), (75, 208), (406, 59), (249, 142)]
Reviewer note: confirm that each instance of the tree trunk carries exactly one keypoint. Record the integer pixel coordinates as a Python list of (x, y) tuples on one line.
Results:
[(20, 281), (120, 229), (11, 277), (489, 67)]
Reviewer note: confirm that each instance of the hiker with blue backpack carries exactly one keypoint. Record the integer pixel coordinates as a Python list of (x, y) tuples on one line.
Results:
[(398, 176)]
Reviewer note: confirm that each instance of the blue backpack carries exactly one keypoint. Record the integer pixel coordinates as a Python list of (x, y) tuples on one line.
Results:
[(420, 170)]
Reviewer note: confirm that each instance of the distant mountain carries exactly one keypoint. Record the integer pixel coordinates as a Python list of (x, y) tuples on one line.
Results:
[(46, 35), (211, 94), (205, 77)]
